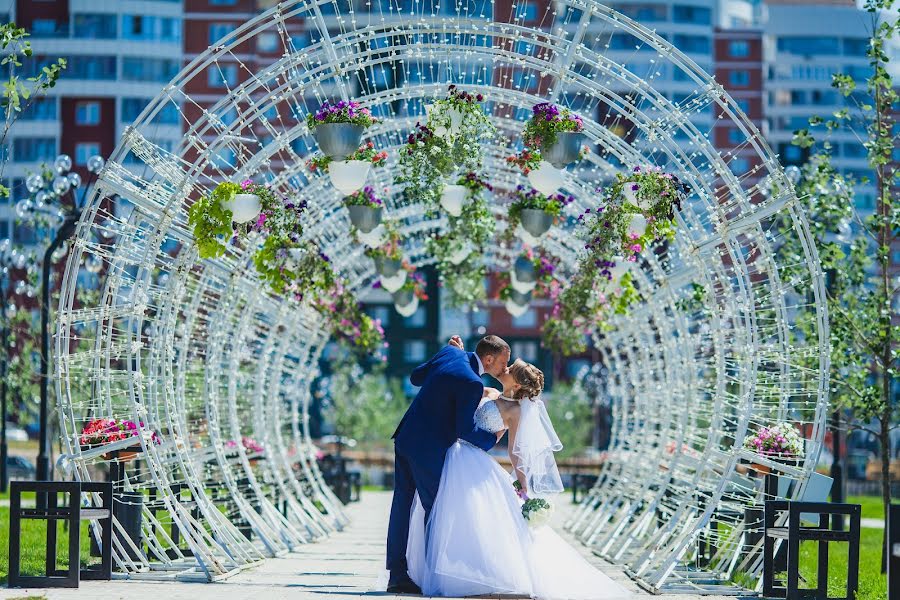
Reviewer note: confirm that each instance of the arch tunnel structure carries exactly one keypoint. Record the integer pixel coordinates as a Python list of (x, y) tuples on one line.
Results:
[(202, 353)]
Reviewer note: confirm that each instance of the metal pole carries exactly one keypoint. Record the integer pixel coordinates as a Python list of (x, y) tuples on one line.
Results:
[(44, 471), (837, 469), (4, 477)]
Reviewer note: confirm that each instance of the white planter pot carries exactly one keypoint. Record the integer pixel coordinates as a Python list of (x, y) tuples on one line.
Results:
[(629, 195), (460, 254), (523, 287), (453, 198), (638, 225), (243, 207), (349, 176), (516, 310), (546, 179), (373, 238), (395, 282), (408, 310)]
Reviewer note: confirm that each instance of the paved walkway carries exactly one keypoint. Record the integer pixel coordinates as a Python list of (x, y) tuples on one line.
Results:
[(344, 566)]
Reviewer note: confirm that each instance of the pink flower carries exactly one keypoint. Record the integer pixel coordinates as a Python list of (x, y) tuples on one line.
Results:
[(246, 183), (635, 248)]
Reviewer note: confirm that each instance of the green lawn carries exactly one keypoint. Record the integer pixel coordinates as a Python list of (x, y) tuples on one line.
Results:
[(34, 539)]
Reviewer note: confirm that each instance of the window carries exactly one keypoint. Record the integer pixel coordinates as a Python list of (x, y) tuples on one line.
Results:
[(219, 76), (736, 136), (41, 109), (132, 107), (23, 234), (91, 67), (219, 30), (160, 70), (793, 154), (696, 15), (526, 320), (87, 113), (527, 351), (4, 229), (96, 26), (414, 351), (808, 45), (136, 27), (738, 48), (169, 29), (643, 12), (85, 150), (381, 314), (698, 44), (856, 46), (854, 150), (417, 319), (739, 78), (267, 42), (47, 28), (223, 2), (743, 104), (527, 11), (29, 149), (739, 166)]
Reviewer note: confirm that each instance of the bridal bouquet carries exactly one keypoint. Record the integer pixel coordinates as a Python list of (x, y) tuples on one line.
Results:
[(536, 511)]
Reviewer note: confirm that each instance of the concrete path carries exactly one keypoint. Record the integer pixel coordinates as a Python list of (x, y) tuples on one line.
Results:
[(344, 566)]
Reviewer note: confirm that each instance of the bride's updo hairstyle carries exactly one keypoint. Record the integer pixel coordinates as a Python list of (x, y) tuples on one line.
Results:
[(529, 378)]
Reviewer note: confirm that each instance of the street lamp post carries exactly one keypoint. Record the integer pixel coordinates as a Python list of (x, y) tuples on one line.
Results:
[(61, 185), (10, 258)]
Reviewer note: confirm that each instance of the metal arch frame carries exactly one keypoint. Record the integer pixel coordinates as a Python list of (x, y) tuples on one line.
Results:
[(166, 317)]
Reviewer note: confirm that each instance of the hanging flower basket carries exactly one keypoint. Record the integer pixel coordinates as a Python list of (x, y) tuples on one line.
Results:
[(536, 222), (365, 209), (564, 150), (387, 267), (460, 253), (453, 198), (523, 278), (618, 269), (546, 179), (338, 140), (394, 282), (516, 302), (637, 226), (339, 127), (407, 310), (243, 207), (349, 176)]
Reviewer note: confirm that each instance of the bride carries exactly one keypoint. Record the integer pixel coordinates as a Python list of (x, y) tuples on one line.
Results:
[(478, 542)]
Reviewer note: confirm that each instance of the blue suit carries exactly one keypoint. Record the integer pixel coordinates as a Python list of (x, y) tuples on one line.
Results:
[(442, 412)]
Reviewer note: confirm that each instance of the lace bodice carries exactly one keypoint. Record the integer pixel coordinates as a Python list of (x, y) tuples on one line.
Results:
[(488, 417)]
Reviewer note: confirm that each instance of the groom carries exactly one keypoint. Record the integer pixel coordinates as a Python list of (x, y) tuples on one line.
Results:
[(441, 412)]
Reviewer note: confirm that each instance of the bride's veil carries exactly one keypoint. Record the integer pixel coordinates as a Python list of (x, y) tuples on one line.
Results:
[(536, 441)]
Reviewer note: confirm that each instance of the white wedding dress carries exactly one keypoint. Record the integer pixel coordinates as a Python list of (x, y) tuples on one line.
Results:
[(478, 541)]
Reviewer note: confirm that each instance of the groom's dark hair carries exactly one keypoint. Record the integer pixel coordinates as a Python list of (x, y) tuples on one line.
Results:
[(491, 345)]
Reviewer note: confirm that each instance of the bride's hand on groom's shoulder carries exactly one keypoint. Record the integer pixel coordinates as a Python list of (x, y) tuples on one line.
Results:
[(492, 393), (456, 342)]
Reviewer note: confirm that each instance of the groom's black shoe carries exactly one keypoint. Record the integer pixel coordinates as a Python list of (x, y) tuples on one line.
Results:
[(404, 587)]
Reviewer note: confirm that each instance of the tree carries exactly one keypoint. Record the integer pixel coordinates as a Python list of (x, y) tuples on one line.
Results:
[(572, 414), (856, 249), (364, 406), (19, 94)]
